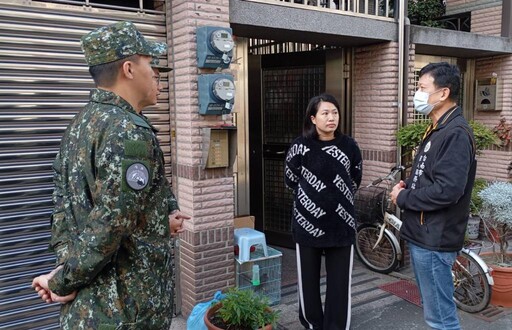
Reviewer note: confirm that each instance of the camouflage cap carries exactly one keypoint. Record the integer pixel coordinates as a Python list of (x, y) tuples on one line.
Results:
[(155, 64), (114, 42)]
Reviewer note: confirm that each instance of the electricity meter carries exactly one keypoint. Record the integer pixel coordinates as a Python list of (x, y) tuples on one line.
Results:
[(214, 47), (216, 93)]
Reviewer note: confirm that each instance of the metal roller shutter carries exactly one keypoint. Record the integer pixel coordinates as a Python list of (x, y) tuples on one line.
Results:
[(44, 82)]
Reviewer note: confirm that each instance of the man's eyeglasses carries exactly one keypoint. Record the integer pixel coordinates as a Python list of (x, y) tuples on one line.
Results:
[(156, 79)]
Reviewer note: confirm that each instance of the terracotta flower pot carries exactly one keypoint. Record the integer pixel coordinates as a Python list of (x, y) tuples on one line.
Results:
[(212, 310), (502, 288)]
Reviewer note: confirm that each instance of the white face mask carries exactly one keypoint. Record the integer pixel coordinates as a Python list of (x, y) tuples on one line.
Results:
[(421, 102)]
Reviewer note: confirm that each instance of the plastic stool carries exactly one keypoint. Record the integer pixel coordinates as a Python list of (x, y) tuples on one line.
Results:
[(245, 238)]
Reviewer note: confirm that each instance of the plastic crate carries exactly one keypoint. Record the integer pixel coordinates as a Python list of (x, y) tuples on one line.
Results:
[(269, 274)]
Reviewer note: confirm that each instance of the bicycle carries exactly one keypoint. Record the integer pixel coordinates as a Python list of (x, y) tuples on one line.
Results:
[(379, 250)]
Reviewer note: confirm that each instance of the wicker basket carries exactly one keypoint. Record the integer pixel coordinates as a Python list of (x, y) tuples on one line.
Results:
[(369, 204)]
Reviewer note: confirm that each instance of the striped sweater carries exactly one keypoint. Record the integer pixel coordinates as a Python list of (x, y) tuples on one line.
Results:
[(324, 176)]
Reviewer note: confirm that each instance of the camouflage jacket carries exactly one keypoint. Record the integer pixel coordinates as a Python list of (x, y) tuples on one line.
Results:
[(110, 226)]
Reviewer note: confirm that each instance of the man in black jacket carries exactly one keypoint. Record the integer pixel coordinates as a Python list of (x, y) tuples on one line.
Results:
[(435, 198)]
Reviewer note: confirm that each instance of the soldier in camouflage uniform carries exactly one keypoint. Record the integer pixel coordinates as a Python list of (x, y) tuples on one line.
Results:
[(114, 209)]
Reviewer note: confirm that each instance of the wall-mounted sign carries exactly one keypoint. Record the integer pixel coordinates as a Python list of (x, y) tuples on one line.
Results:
[(485, 95)]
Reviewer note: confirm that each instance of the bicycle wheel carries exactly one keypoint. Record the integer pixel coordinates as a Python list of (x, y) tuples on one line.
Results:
[(384, 257), (472, 290)]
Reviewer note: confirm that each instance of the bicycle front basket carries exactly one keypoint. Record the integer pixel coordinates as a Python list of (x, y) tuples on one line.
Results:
[(369, 204)]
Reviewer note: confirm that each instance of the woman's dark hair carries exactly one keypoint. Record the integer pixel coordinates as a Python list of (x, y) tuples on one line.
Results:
[(105, 75), (309, 129), (445, 75)]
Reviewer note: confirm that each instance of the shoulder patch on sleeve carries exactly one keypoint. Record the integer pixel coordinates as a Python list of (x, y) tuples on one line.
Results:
[(137, 176)]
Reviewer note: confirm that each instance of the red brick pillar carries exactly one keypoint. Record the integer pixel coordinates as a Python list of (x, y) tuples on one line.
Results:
[(206, 247)]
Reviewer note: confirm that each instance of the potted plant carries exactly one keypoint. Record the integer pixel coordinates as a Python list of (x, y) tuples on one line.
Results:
[(496, 212), (241, 310)]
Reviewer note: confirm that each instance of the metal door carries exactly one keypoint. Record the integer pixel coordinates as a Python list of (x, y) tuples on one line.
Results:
[(288, 81), (44, 82)]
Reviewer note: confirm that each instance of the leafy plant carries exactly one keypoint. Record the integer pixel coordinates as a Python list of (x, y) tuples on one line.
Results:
[(503, 132), (426, 12), (410, 136), (244, 309), (484, 136), (476, 201), (496, 211)]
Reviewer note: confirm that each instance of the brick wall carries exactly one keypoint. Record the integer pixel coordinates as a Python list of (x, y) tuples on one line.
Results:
[(375, 107), (481, 24), (460, 6), (492, 164), (206, 248), (454, 3), (450, 4)]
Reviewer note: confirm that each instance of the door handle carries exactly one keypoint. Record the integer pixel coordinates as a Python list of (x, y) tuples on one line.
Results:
[(282, 152)]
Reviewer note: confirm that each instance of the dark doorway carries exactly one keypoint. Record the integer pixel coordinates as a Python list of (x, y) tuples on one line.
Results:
[(280, 87)]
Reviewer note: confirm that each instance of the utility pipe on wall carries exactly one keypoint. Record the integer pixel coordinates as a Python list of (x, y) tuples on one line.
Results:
[(403, 68), (405, 77)]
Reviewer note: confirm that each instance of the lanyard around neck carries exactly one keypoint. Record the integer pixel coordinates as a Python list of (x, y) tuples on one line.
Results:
[(432, 127)]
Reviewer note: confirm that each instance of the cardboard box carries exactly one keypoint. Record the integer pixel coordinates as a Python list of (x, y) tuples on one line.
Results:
[(245, 222)]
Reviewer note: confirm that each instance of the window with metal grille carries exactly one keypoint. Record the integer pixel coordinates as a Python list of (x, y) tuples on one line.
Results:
[(287, 93), (418, 116)]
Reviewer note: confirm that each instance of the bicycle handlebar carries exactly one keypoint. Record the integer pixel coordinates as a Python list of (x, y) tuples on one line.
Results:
[(391, 176), (395, 170), (376, 182), (398, 168)]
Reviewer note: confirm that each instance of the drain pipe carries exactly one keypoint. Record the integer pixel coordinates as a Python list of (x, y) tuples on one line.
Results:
[(403, 70), (405, 85)]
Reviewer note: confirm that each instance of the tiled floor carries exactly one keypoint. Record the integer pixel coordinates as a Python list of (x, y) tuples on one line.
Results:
[(365, 295), (372, 308)]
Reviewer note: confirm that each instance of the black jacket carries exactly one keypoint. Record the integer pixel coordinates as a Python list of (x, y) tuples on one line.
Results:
[(438, 192)]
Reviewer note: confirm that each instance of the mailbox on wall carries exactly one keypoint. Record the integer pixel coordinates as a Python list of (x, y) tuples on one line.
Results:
[(486, 95), (214, 47), (216, 93)]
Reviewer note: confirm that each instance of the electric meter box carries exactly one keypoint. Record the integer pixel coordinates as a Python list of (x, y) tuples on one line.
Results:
[(214, 47), (216, 93)]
